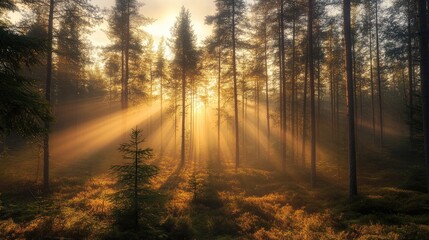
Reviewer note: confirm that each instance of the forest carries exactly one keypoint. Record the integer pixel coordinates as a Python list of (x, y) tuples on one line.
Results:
[(243, 119)]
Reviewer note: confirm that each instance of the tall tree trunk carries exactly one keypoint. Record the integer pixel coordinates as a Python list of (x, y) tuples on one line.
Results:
[(410, 72), (267, 92), (312, 92), (354, 70), (283, 86), (243, 117), (350, 101), (218, 103), (258, 143), (319, 90), (380, 103), (127, 53), (331, 83), (280, 66), (192, 124), (304, 110), (162, 132), (175, 123), (371, 73), (293, 124), (234, 69), (150, 96), (182, 150), (337, 122), (424, 74), (123, 74), (48, 95)]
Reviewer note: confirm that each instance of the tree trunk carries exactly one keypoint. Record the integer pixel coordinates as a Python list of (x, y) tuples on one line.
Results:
[(354, 76), (424, 74), (150, 96), (331, 83), (127, 53), (48, 96), (175, 123), (350, 101), (377, 46), (162, 142), (410, 73), (258, 143), (218, 104), (182, 150), (371, 77), (243, 120), (304, 111), (234, 67), (312, 92), (281, 55), (123, 74), (293, 124), (319, 91), (267, 92), (283, 87)]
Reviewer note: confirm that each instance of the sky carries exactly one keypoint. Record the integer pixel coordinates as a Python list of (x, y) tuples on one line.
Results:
[(164, 12)]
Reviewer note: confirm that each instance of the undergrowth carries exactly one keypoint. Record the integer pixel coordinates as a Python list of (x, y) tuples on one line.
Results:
[(216, 203)]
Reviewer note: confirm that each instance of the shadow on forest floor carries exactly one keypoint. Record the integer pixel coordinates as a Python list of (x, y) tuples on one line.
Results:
[(209, 201)]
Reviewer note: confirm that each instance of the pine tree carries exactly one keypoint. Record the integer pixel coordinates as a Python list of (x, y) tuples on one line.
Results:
[(229, 14), (53, 9), (124, 21), (71, 52), (184, 62), (137, 203), (23, 109)]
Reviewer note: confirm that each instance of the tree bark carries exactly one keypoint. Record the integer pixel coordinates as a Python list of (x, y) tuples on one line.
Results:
[(410, 73), (304, 110), (312, 92), (234, 67), (424, 74), (350, 100), (162, 132), (371, 72), (293, 124), (48, 95), (377, 46), (127, 53), (267, 102), (283, 87), (218, 103), (182, 150), (258, 141)]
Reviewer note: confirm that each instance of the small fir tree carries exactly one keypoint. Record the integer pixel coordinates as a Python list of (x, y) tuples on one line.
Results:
[(137, 203)]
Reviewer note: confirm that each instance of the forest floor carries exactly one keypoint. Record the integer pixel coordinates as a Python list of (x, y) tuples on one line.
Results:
[(212, 201)]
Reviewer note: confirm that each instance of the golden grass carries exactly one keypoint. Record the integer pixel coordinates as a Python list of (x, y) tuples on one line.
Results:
[(243, 204)]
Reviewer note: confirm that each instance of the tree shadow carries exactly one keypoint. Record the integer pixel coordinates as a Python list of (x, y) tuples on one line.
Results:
[(173, 179), (209, 215)]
